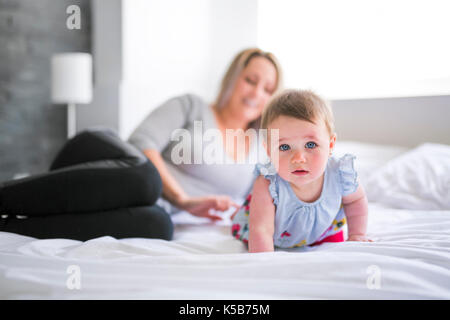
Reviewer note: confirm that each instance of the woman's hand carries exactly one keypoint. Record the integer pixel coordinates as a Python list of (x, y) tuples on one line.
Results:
[(359, 237), (202, 206)]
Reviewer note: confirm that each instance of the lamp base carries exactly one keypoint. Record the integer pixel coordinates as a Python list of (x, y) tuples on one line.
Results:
[(71, 120)]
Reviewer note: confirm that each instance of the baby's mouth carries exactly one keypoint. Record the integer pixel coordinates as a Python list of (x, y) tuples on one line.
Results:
[(300, 172)]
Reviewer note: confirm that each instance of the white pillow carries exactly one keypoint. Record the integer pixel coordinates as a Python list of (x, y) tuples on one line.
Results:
[(369, 156), (417, 180)]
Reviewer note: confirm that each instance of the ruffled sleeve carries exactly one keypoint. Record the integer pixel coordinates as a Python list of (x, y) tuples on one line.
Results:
[(269, 172), (348, 175)]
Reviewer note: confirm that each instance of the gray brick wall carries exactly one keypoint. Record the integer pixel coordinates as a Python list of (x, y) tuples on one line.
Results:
[(32, 129)]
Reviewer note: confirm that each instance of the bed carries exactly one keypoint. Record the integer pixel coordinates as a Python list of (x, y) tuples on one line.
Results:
[(409, 219)]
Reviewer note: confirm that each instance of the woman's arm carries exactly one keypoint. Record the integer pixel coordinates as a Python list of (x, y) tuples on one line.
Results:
[(173, 192), (261, 218), (356, 211)]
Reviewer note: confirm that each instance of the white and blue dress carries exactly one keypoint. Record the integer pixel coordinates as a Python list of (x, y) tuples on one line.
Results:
[(299, 223)]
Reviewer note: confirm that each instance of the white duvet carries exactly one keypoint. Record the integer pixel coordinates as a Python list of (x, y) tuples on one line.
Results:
[(410, 259)]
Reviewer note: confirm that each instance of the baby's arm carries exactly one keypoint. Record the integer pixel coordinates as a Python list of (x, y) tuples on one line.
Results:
[(262, 217), (356, 211)]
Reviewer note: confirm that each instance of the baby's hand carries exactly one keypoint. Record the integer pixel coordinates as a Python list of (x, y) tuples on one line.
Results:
[(359, 237)]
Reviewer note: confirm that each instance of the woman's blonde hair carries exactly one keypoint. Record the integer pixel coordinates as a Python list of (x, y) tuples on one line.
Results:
[(240, 61), (300, 104)]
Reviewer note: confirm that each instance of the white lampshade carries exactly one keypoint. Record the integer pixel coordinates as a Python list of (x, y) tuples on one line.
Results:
[(72, 78)]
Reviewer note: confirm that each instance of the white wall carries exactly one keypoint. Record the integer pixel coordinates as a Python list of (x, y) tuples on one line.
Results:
[(146, 51), (234, 25), (171, 47), (107, 64), (394, 121), (352, 49)]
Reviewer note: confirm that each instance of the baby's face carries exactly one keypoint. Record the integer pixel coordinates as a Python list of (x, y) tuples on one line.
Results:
[(303, 149)]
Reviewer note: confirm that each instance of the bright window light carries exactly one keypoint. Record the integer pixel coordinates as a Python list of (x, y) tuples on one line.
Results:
[(351, 49)]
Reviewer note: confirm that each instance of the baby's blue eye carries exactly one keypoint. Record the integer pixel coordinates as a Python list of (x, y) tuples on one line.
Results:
[(311, 145), (284, 147)]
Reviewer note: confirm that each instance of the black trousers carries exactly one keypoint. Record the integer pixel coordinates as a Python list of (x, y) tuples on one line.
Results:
[(97, 185)]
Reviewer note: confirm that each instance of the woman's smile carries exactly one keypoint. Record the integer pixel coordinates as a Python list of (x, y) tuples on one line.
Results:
[(253, 103)]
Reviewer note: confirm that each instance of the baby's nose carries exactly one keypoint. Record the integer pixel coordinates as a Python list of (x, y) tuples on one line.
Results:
[(298, 157)]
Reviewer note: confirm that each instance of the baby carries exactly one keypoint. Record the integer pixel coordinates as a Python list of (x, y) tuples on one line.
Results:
[(304, 196)]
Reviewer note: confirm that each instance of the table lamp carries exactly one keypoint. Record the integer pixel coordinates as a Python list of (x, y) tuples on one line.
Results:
[(71, 83)]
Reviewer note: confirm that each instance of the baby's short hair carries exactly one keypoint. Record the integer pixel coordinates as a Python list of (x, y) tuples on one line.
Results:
[(300, 104)]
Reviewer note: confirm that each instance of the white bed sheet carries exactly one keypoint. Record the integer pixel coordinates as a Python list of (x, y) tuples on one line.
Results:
[(410, 259)]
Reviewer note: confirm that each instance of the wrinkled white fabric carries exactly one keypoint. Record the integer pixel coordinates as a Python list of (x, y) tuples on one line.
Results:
[(416, 180), (410, 259), (411, 255)]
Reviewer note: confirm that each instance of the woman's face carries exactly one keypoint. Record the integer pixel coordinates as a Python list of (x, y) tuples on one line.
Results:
[(253, 88)]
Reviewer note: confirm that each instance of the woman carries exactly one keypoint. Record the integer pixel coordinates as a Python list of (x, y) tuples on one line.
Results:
[(99, 185), (250, 81)]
